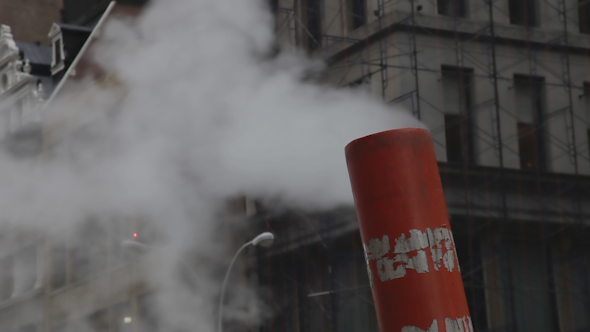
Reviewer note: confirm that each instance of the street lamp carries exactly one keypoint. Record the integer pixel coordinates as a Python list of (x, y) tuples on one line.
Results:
[(138, 246), (264, 239)]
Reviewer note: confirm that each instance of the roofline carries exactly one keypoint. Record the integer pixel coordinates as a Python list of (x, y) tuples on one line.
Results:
[(81, 53), (74, 28), (23, 45)]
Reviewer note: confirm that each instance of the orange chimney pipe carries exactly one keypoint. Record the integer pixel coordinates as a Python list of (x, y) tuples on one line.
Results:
[(409, 248)]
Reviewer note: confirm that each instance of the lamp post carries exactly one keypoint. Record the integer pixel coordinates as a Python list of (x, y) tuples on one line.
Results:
[(264, 239)]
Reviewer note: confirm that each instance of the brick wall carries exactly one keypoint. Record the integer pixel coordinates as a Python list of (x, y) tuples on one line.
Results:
[(30, 20)]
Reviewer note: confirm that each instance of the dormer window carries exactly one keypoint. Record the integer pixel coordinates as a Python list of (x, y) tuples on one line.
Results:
[(57, 62), (57, 52)]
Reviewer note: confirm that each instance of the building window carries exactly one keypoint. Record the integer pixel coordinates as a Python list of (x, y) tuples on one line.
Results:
[(454, 136), (531, 292), (57, 63), (523, 12), (57, 52), (457, 95), (470, 260), (584, 15), (355, 14), (453, 8), (571, 278), (274, 6), (354, 313), (519, 281), (313, 27), (341, 271), (528, 103), (526, 145)]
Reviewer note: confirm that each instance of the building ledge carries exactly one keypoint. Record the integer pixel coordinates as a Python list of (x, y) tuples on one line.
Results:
[(442, 25)]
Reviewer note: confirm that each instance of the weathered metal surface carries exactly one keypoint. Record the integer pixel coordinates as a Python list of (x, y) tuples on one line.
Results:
[(411, 257)]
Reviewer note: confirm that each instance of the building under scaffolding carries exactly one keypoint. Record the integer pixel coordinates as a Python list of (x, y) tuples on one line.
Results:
[(504, 87)]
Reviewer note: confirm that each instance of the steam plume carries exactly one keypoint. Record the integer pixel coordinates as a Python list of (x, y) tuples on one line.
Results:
[(200, 113)]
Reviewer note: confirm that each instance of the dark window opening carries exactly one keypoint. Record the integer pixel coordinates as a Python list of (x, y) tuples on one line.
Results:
[(529, 112), (584, 15), (457, 103), (454, 136), (570, 280), (526, 145), (313, 19), (57, 51), (344, 267), (453, 8), (531, 289), (274, 6), (470, 261), (523, 12), (356, 13)]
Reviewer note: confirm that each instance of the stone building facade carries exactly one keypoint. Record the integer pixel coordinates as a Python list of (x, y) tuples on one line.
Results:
[(504, 88), (21, 95)]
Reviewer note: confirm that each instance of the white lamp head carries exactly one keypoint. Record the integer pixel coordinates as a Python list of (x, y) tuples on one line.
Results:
[(264, 239), (134, 245)]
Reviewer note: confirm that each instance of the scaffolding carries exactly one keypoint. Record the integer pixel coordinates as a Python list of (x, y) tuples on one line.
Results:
[(503, 87)]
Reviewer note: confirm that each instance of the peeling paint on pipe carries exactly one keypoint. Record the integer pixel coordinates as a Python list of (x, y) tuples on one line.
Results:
[(408, 253), (409, 248), (462, 324)]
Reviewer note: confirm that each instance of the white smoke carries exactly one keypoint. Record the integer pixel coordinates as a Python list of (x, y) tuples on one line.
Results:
[(202, 83), (207, 114)]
